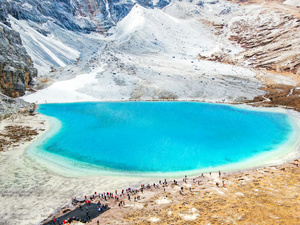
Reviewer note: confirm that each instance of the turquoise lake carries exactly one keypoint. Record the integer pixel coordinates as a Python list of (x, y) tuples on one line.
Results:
[(162, 136)]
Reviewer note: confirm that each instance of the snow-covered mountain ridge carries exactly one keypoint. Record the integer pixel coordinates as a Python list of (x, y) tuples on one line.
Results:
[(76, 15)]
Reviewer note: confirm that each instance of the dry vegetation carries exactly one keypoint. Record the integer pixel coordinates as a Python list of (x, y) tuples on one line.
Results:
[(13, 135), (279, 95), (260, 196)]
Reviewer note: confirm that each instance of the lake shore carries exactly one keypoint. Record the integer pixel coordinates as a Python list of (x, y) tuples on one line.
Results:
[(46, 192), (30, 192), (256, 196)]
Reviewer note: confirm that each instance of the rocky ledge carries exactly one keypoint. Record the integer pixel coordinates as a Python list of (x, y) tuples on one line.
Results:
[(10, 106)]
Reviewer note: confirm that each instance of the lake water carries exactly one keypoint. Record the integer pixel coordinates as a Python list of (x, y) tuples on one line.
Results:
[(162, 136)]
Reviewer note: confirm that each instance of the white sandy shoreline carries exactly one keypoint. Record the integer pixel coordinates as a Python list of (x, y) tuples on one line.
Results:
[(44, 190), (30, 192)]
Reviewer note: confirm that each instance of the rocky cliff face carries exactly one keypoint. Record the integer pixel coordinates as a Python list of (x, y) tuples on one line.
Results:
[(271, 39), (269, 36), (16, 67)]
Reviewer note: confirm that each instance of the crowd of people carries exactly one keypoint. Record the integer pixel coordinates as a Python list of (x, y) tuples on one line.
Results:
[(128, 194)]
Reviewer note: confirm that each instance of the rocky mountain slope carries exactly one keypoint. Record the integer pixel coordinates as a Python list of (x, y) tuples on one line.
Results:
[(121, 50), (60, 20), (268, 33), (270, 37), (16, 67), (268, 47), (152, 54)]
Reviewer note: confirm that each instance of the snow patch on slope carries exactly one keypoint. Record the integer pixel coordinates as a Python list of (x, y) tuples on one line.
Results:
[(66, 91)]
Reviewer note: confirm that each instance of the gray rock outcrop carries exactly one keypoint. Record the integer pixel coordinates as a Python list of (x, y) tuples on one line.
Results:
[(10, 106), (16, 67)]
